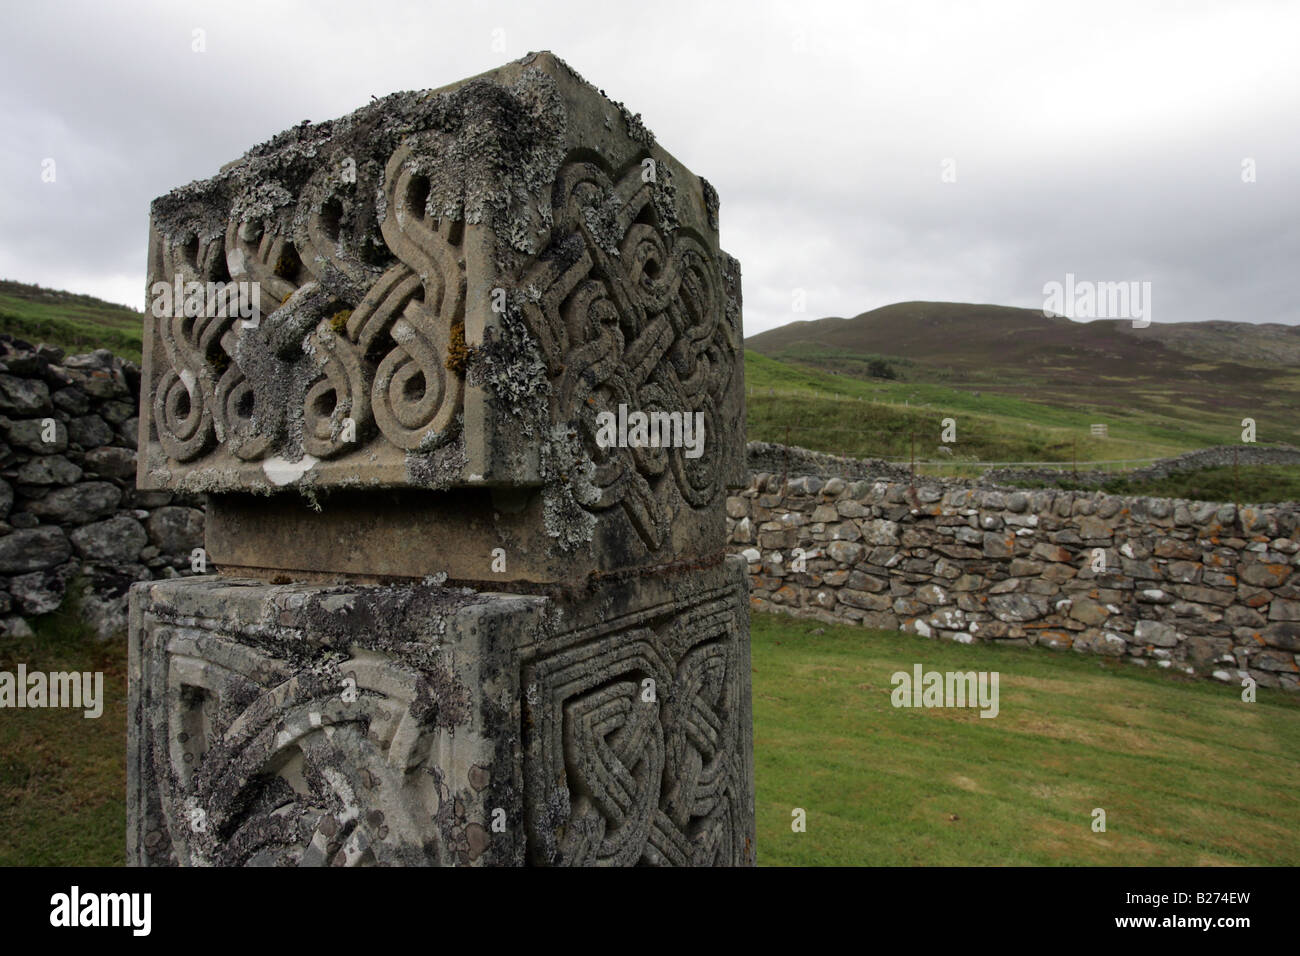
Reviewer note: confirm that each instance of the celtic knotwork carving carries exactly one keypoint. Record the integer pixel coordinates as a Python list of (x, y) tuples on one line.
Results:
[(617, 774), (601, 751), (389, 358), (256, 254), (183, 404), (457, 288), (377, 327), (631, 312), (271, 765), (341, 396)]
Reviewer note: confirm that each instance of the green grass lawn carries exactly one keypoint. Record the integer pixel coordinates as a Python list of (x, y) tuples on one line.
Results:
[(63, 776), (1187, 772)]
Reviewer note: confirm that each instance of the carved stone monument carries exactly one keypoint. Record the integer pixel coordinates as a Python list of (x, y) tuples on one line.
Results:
[(466, 598)]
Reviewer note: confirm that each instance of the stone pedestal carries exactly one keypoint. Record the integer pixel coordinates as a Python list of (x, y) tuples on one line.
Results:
[(417, 725), (445, 620)]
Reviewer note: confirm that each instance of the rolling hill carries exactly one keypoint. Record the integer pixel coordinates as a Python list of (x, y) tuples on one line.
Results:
[(1186, 384)]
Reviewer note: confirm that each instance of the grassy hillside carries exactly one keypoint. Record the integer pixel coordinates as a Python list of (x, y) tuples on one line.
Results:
[(75, 323), (851, 416), (1166, 387)]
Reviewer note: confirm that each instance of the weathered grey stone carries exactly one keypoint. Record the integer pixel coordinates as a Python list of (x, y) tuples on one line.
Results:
[(114, 540), (399, 692), (33, 549), (23, 396), (1017, 607), (1280, 610), (1238, 616), (89, 431), (71, 400), (40, 592), (176, 530), (1050, 552), (511, 407), (932, 594), (1089, 612), (947, 618), (864, 599), (1208, 650), (49, 470), (115, 413), (604, 712), (1206, 595), (15, 626), (866, 582), (101, 383), (111, 462), (1055, 640), (999, 545), (78, 504), (1155, 633), (1275, 661), (1184, 572), (880, 532), (1094, 528), (29, 435), (1282, 634), (1264, 575), (845, 552)]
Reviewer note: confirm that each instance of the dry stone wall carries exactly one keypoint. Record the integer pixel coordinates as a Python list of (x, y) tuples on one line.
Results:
[(70, 515), (1202, 587)]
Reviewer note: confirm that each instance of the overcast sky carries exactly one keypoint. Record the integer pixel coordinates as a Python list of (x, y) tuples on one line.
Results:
[(1101, 139)]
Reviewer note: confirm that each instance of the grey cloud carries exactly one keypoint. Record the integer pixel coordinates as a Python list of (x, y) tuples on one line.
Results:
[(1091, 138)]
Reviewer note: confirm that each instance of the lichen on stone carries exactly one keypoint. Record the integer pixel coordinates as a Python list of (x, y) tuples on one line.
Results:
[(510, 365), (439, 461), (568, 489), (663, 194), (711, 202)]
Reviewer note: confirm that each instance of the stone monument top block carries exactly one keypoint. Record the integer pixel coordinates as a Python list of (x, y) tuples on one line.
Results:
[(451, 285)]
